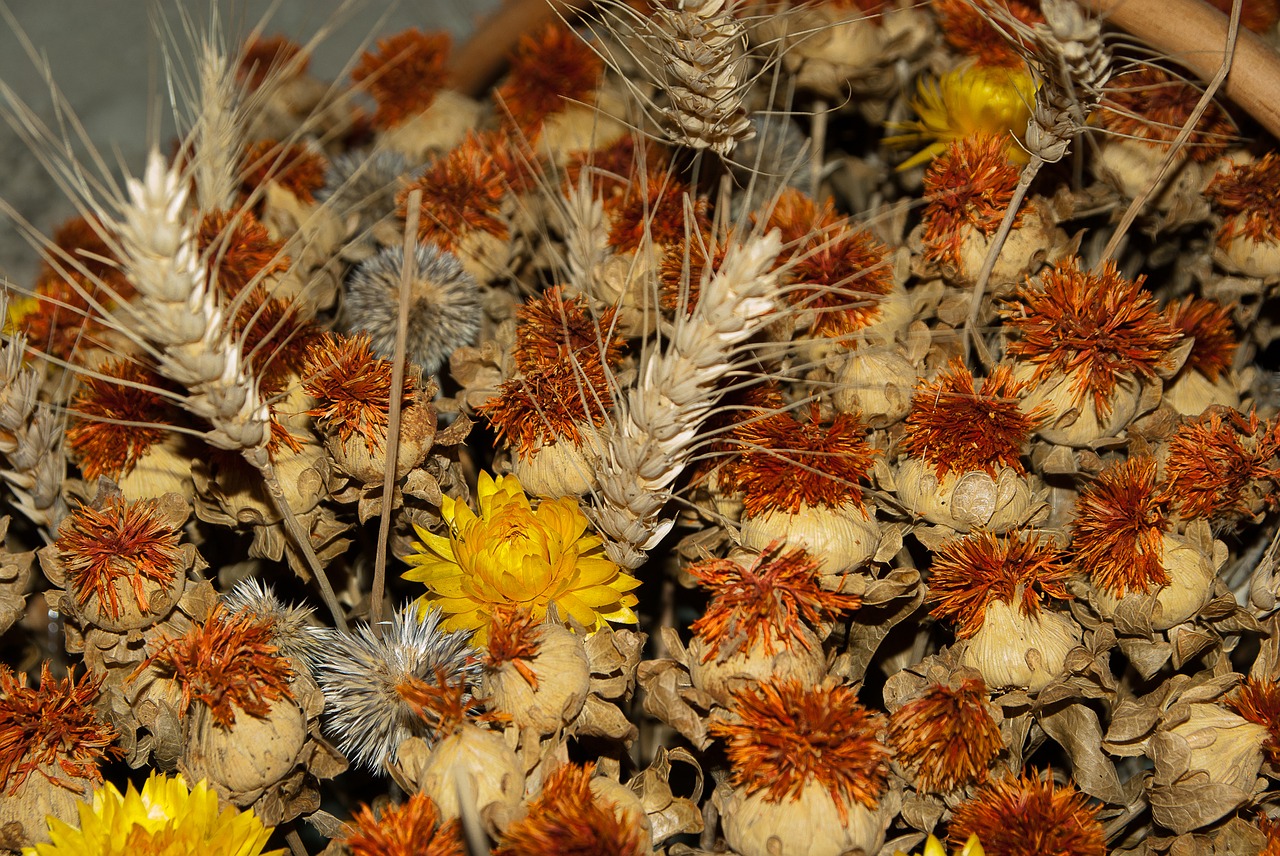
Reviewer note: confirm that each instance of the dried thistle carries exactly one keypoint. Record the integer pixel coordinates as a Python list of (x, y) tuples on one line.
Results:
[(404, 74), (1221, 465), (1030, 816), (981, 37), (238, 250), (568, 818), (970, 184), (119, 414), (549, 70), (1152, 105), (1258, 700), (296, 168), (555, 329), (1119, 528), (414, 828), (947, 736), (352, 388), (462, 193)]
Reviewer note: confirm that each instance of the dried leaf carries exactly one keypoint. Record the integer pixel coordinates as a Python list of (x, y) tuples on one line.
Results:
[(1076, 729)]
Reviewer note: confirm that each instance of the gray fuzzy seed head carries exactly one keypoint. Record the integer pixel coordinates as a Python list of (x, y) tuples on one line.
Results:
[(444, 305), (364, 184), (294, 631), (364, 714)]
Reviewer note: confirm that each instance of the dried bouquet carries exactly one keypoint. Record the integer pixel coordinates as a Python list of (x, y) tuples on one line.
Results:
[(760, 427)]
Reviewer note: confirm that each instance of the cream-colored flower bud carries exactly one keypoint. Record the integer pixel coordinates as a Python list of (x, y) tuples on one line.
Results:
[(417, 432), (1077, 424), (561, 469), (1242, 254), (827, 46), (243, 761), (1038, 239), (580, 127), (810, 825), (789, 660), (563, 676), (1224, 745), (1129, 164), (1190, 393), (877, 383), (438, 128), (1016, 650), (1191, 575), (162, 469), (627, 807), (966, 501), (40, 797), (474, 761), (840, 538)]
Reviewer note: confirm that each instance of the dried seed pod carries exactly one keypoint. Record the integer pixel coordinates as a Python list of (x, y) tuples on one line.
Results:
[(537, 674), (473, 764)]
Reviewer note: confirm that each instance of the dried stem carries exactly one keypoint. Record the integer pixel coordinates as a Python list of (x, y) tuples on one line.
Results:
[(407, 274), (480, 59)]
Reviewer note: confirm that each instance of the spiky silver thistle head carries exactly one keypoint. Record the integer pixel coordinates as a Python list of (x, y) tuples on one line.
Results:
[(361, 675), (444, 304), (364, 184), (294, 629)]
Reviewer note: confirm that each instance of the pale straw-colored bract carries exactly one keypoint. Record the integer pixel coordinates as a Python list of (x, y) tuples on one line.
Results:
[(294, 630)]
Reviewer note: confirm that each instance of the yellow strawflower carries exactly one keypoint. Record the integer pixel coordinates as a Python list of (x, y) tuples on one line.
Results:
[(164, 819), (513, 553), (933, 847), (970, 99)]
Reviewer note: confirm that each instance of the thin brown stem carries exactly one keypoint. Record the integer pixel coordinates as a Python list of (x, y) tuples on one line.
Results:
[(407, 273), (295, 843)]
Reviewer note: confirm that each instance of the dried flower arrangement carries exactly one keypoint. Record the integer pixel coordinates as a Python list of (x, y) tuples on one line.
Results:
[(754, 427)]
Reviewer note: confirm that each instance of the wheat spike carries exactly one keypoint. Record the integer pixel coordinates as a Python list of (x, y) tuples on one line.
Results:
[(657, 421)]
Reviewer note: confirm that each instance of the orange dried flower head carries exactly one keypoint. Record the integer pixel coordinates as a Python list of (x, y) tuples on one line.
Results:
[(553, 329), (970, 184), (1245, 195), (297, 168), (1151, 104), (352, 388), (512, 640), (1094, 326), (85, 251), (971, 572), (976, 35), (1258, 700), (612, 168), (462, 193), (1028, 816), (548, 70), (947, 736), (801, 221), (1209, 323), (784, 735), (1119, 528), (237, 250), (413, 828), (274, 338), (445, 703), (262, 58), (684, 267), (786, 463), (404, 74), (118, 414), (51, 730), (567, 819), (840, 276), (651, 210), (550, 403), (1218, 463), (61, 319), (958, 429), (227, 662), (122, 542), (771, 601)]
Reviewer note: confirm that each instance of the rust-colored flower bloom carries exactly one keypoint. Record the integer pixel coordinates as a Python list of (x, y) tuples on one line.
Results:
[(121, 546), (462, 193), (1151, 104), (412, 828), (977, 35), (237, 250), (567, 818), (352, 388), (1209, 323), (117, 416), (774, 597), (840, 277), (1119, 528), (296, 168), (784, 735), (1094, 327), (263, 57), (969, 185), (956, 428), (228, 663), (555, 329), (550, 403), (1258, 700), (1245, 195), (970, 573), (1222, 465), (549, 70), (684, 267), (801, 221), (786, 463), (1029, 816), (404, 74), (651, 210), (947, 736), (51, 729)]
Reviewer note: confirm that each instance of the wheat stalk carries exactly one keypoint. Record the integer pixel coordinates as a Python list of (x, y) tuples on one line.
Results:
[(30, 437), (656, 422)]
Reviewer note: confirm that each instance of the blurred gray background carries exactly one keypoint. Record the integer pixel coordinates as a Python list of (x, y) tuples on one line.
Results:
[(107, 58)]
